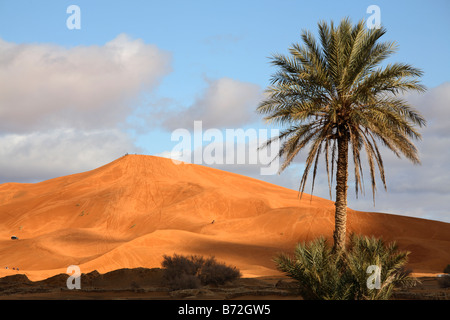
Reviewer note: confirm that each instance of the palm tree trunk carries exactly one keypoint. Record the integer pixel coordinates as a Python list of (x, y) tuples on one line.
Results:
[(341, 194)]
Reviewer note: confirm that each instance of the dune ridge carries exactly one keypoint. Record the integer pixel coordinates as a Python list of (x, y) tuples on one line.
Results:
[(128, 213)]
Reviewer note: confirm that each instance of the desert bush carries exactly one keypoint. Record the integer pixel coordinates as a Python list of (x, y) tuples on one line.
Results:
[(216, 273), (180, 272), (184, 281), (324, 274), (190, 272), (178, 264)]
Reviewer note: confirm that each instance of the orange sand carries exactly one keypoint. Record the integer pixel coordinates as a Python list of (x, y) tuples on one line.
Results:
[(132, 211)]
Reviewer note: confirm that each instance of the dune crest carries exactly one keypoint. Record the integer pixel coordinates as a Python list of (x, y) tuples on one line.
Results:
[(128, 213)]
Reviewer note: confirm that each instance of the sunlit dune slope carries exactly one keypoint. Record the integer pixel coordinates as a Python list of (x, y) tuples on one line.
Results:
[(132, 211)]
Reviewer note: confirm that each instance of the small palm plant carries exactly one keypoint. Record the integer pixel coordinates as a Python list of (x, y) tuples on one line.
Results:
[(365, 252), (325, 274), (317, 269)]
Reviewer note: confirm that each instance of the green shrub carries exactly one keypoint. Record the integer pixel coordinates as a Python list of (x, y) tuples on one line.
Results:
[(324, 274), (190, 272)]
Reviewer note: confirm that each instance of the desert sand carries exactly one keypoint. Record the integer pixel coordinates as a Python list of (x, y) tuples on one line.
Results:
[(132, 211)]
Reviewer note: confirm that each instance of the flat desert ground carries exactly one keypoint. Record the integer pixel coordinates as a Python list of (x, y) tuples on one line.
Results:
[(129, 213)]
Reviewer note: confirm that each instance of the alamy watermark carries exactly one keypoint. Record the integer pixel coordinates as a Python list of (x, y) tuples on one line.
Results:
[(374, 280), (235, 146), (74, 20), (74, 281), (374, 21)]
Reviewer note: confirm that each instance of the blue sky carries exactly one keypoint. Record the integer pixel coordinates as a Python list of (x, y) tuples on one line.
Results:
[(206, 51)]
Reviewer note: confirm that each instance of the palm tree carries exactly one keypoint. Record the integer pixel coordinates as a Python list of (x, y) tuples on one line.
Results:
[(336, 95)]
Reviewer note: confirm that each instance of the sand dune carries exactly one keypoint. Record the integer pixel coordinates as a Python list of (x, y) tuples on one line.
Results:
[(130, 212)]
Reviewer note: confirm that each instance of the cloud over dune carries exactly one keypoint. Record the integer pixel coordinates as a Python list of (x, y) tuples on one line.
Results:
[(62, 101), (37, 156)]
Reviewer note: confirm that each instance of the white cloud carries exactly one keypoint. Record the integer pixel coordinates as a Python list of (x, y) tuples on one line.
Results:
[(226, 103), (86, 87), (62, 109)]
